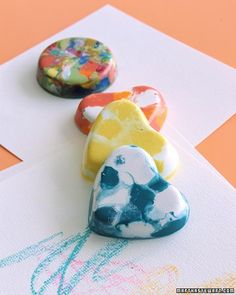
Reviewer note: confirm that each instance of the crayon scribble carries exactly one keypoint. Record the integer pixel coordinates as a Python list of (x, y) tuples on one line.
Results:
[(60, 258), (63, 269), (159, 281), (226, 281), (30, 251)]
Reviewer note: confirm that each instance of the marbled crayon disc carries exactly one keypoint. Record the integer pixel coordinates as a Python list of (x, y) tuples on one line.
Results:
[(76, 67)]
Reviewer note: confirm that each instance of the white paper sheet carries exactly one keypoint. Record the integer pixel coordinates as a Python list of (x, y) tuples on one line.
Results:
[(51, 198), (47, 200), (199, 90)]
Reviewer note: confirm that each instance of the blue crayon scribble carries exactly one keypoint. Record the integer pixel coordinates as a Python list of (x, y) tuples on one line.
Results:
[(30, 251), (79, 241), (100, 259), (60, 251)]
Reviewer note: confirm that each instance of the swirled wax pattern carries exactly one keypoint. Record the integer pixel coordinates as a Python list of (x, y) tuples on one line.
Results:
[(147, 98), (122, 122), (131, 200), (76, 67)]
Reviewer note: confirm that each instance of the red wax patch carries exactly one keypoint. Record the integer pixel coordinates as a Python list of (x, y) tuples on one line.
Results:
[(147, 98)]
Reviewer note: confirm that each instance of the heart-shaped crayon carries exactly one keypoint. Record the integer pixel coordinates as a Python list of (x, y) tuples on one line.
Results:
[(131, 200), (122, 122), (147, 98)]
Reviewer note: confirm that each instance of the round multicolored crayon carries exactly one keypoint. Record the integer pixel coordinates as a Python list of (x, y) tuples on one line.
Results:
[(76, 67)]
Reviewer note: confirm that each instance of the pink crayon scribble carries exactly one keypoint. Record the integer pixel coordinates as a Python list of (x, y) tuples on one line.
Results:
[(125, 277)]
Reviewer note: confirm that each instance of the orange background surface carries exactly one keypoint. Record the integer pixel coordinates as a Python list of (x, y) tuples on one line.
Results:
[(206, 25), (7, 159), (220, 149)]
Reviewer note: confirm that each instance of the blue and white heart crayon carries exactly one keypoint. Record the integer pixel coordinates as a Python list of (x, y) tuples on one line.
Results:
[(131, 200)]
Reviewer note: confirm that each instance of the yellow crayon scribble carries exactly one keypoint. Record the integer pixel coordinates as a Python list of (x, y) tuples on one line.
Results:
[(159, 281), (227, 281), (163, 281)]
